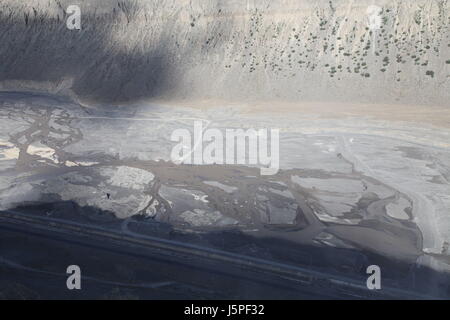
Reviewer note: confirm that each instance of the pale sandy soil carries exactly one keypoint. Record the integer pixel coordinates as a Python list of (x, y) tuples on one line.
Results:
[(429, 115)]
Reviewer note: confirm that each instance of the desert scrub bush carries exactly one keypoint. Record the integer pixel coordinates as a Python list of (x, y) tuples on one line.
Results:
[(430, 73), (417, 17)]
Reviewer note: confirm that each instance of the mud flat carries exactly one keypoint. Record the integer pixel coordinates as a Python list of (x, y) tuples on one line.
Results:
[(375, 186)]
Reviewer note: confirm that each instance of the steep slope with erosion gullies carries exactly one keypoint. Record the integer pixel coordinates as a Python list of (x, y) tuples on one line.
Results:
[(284, 50)]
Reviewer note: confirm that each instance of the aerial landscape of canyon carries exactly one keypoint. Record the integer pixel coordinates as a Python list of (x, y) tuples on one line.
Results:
[(225, 149)]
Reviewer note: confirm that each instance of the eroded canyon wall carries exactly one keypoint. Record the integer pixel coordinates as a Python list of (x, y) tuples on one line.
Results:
[(300, 50)]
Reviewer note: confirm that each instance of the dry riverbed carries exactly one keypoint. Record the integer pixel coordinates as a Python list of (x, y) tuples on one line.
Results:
[(357, 182)]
